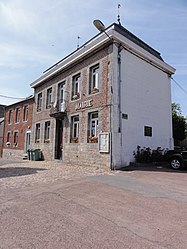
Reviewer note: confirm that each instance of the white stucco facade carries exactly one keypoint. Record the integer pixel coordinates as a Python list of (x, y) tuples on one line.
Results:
[(145, 101)]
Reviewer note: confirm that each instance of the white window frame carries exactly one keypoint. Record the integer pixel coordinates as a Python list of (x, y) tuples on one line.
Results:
[(94, 79), (17, 114), (10, 116), (15, 138), (76, 86), (49, 98), (61, 90), (25, 113), (75, 128), (37, 132), (8, 138), (47, 131), (39, 102), (93, 125)]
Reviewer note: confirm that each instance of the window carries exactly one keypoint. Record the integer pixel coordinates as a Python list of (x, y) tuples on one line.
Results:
[(76, 87), (75, 129), (147, 131), (93, 127), (37, 133), (61, 91), (8, 137), (17, 115), (61, 102), (49, 98), (25, 112), (15, 138), (47, 131), (94, 79), (10, 116), (39, 102)]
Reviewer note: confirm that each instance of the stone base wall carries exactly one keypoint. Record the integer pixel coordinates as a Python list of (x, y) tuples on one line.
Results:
[(85, 155), (11, 154), (46, 150)]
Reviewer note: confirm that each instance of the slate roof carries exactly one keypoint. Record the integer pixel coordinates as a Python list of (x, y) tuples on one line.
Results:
[(123, 31), (118, 28)]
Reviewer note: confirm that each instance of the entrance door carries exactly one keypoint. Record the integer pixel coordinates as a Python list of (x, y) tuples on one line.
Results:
[(59, 139), (27, 140)]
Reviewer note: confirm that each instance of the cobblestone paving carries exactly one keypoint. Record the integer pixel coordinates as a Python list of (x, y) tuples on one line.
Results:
[(18, 174)]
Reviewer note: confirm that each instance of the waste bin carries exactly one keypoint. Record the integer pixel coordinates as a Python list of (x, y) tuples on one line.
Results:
[(35, 154)]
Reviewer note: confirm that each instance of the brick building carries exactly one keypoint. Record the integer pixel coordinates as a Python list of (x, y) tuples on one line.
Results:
[(2, 114), (97, 104), (2, 120), (17, 132)]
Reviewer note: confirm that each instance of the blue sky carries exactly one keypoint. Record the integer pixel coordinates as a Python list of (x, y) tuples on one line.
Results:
[(36, 34)]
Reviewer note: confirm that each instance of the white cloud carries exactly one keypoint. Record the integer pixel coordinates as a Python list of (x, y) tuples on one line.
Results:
[(15, 56), (16, 16)]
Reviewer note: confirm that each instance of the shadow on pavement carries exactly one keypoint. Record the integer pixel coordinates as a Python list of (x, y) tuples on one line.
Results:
[(159, 167), (17, 171)]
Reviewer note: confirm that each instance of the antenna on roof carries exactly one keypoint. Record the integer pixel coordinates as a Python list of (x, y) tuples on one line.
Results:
[(119, 5), (78, 38)]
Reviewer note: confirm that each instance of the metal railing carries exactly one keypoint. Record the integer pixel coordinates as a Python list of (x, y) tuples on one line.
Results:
[(58, 107)]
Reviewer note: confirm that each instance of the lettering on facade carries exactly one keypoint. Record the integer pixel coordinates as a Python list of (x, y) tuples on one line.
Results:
[(84, 104)]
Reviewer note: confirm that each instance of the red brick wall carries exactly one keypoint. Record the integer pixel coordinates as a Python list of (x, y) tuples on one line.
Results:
[(21, 127)]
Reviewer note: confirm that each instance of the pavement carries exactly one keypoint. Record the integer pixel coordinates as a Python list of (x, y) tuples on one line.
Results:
[(55, 206)]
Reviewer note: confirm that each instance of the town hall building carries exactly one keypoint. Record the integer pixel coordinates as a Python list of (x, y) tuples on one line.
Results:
[(97, 104)]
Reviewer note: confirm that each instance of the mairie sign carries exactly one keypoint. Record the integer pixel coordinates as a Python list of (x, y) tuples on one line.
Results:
[(83, 105)]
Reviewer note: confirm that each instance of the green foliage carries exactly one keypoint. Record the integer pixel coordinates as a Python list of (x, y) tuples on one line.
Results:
[(176, 109), (179, 124), (146, 155)]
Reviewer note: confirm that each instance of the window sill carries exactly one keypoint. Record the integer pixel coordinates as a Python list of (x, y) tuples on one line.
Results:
[(47, 141), (49, 106), (75, 97), (74, 141), (94, 90)]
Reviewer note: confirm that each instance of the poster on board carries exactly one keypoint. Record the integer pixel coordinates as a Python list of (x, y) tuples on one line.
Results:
[(104, 142)]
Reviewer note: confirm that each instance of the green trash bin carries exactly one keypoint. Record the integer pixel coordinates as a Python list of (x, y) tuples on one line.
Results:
[(35, 154)]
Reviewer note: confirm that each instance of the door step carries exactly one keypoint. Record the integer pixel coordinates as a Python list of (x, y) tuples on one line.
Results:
[(25, 156)]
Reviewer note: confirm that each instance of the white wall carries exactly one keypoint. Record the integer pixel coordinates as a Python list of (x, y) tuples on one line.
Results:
[(145, 97)]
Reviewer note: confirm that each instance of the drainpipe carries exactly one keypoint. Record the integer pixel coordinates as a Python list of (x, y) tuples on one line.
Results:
[(111, 158), (111, 104), (119, 86), (119, 97)]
